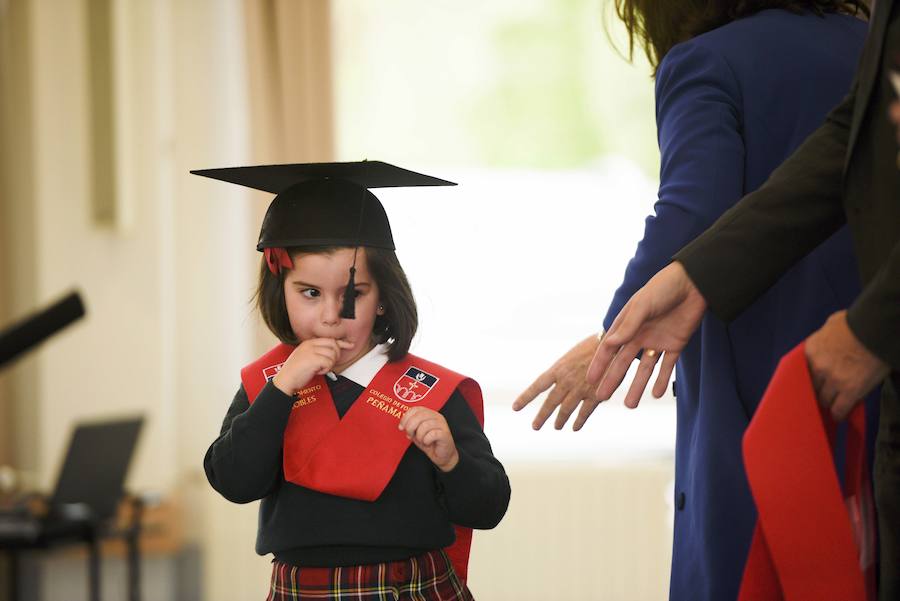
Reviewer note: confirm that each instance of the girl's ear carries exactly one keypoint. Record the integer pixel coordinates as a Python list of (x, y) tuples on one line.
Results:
[(380, 309)]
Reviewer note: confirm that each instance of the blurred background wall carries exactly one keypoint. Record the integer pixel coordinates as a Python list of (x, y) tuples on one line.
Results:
[(105, 105)]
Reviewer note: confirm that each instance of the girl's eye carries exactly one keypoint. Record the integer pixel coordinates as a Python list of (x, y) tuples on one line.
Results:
[(310, 293)]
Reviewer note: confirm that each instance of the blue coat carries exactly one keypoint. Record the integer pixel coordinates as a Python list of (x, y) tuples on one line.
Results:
[(731, 105)]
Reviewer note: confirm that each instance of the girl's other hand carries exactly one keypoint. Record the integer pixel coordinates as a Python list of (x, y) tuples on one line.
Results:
[(311, 358), (428, 430)]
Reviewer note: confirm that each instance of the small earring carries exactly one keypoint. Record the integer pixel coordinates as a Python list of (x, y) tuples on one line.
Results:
[(380, 309)]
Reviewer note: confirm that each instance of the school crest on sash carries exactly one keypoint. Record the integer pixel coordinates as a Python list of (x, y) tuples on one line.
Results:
[(414, 384), (269, 372)]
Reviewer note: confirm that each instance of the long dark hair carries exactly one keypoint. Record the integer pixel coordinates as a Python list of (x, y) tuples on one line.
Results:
[(397, 326), (657, 25)]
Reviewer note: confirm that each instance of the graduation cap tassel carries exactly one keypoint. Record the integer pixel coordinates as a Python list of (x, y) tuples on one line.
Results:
[(348, 309)]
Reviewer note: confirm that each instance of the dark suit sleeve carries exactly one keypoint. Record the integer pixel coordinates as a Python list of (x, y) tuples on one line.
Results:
[(244, 463), (875, 315), (799, 207), (476, 490), (701, 160)]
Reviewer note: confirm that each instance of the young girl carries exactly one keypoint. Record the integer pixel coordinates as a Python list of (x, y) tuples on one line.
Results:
[(365, 457)]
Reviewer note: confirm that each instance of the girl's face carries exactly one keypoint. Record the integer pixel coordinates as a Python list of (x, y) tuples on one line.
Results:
[(314, 293)]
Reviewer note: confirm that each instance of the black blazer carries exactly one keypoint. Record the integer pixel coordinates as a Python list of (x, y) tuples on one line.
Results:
[(845, 172)]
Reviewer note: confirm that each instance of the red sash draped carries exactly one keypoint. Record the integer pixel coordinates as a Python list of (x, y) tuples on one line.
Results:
[(812, 542), (356, 456)]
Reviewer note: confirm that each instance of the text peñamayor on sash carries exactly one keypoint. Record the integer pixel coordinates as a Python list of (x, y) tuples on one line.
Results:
[(812, 542), (357, 455)]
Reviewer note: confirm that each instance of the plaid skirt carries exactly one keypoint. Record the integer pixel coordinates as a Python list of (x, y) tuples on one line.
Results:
[(428, 577)]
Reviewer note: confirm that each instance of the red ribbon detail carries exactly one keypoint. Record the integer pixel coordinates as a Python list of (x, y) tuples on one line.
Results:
[(276, 258), (813, 541)]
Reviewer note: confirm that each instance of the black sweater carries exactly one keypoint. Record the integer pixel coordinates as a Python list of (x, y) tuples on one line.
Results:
[(414, 514)]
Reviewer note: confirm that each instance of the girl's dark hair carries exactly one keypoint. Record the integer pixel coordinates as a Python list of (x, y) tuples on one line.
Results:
[(657, 25), (397, 326)]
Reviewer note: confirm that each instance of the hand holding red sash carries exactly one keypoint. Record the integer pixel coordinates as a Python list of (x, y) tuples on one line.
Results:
[(812, 541)]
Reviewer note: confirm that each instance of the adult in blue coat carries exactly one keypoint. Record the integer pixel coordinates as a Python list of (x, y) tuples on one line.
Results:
[(737, 90)]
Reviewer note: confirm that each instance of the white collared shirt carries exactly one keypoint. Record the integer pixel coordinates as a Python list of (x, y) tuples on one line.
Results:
[(363, 371)]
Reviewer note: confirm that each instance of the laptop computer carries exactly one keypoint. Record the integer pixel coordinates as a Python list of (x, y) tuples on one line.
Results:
[(90, 484)]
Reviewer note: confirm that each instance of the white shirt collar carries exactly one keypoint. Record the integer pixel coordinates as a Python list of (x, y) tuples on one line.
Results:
[(363, 371)]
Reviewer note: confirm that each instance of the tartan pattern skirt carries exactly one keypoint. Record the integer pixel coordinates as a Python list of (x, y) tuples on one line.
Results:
[(428, 577)]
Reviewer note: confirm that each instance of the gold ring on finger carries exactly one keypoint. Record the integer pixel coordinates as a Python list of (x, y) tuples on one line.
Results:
[(650, 353)]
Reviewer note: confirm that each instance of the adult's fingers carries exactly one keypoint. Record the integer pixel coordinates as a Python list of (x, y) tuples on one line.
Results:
[(628, 322), (827, 393), (603, 356), (811, 351), (550, 403), (567, 407), (818, 379), (543, 382), (587, 408), (665, 373), (894, 112), (621, 332), (617, 370), (649, 357), (606, 351), (843, 404)]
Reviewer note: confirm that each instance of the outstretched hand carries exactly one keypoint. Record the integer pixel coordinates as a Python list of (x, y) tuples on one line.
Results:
[(569, 389), (659, 319)]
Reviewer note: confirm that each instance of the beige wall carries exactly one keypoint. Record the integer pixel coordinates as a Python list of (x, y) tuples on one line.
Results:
[(16, 221), (167, 281), (165, 286), (172, 258)]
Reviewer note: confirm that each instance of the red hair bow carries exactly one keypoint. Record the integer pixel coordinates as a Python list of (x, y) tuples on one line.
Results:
[(276, 258)]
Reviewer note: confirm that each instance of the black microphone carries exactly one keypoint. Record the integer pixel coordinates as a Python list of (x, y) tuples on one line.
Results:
[(36, 328)]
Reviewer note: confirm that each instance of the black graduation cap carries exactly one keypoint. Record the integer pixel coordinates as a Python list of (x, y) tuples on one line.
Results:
[(325, 204)]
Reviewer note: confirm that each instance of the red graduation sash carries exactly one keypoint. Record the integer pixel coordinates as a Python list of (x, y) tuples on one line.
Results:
[(356, 456), (812, 542)]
